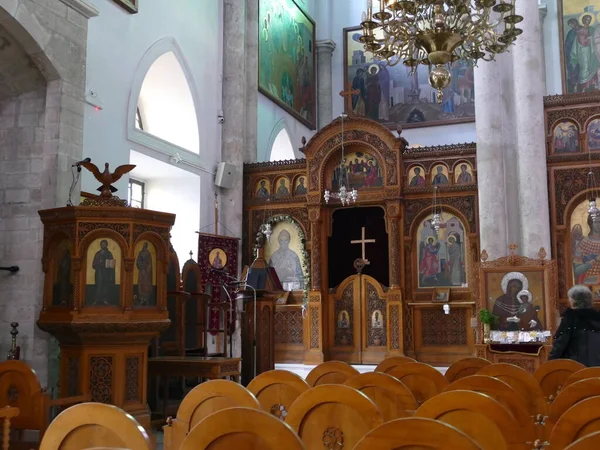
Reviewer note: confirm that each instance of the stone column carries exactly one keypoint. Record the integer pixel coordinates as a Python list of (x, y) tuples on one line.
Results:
[(528, 70), (251, 130), (325, 50), (490, 159)]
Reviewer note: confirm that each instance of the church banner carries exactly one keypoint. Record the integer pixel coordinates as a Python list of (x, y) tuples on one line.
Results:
[(579, 22), (391, 96), (286, 58)]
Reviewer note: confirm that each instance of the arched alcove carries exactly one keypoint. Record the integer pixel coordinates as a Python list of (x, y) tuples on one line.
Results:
[(282, 148), (168, 105)]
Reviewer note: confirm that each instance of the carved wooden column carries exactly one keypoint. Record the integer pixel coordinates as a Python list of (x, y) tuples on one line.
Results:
[(392, 210), (313, 323)]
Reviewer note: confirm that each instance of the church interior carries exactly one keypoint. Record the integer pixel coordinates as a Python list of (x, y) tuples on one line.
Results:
[(352, 224)]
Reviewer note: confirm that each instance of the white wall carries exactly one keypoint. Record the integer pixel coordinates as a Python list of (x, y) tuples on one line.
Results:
[(121, 49)]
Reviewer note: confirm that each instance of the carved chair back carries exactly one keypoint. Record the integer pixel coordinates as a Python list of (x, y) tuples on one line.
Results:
[(551, 375), (276, 390), (423, 380), (578, 421), (389, 363), (464, 368), (330, 372)]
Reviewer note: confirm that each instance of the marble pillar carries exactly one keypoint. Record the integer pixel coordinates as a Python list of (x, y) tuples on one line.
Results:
[(325, 50), (528, 70), (251, 130)]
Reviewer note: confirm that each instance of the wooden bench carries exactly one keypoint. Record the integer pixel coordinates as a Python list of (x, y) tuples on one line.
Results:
[(92, 425), (423, 380), (331, 372), (276, 390), (464, 368), (416, 432), (241, 428), (551, 375), (200, 402), (333, 416)]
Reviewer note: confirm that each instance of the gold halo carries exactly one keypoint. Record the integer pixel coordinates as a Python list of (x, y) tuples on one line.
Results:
[(587, 14), (373, 65)]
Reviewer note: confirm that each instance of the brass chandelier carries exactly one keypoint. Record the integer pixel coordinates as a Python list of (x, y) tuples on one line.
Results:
[(437, 33)]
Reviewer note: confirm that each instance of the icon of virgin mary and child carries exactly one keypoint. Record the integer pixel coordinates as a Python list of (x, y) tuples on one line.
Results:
[(515, 307)]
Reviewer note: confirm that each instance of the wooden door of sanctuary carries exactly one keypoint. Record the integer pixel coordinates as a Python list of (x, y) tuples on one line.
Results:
[(364, 321)]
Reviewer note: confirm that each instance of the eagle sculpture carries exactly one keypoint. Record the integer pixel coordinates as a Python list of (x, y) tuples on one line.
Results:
[(107, 178)]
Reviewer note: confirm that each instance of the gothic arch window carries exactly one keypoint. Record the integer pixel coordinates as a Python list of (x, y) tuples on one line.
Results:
[(282, 148), (168, 106)]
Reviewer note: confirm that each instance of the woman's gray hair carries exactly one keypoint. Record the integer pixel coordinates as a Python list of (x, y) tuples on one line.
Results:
[(581, 296)]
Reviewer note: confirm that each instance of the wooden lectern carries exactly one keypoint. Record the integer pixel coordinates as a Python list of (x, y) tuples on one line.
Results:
[(105, 268), (263, 280)]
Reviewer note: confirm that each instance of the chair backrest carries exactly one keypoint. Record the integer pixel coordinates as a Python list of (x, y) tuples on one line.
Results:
[(241, 428), (276, 390), (20, 388), (94, 424), (333, 415), (481, 417), (393, 399), (586, 442), (464, 368), (6, 415), (578, 421), (551, 375), (389, 363), (330, 372), (571, 395), (423, 380), (416, 432), (588, 372), (502, 393), (522, 382)]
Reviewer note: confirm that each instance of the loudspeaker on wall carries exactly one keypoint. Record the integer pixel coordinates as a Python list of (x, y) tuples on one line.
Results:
[(225, 175)]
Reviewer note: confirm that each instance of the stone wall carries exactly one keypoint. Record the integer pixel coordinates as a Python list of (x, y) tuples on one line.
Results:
[(41, 135)]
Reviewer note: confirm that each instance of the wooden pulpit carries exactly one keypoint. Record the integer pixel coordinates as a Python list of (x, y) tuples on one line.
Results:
[(105, 268), (258, 323)]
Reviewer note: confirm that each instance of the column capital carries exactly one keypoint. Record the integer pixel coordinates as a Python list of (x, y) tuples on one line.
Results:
[(325, 46), (543, 9)]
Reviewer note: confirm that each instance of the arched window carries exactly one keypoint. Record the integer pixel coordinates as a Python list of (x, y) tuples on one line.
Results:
[(168, 105), (282, 147), (139, 124)]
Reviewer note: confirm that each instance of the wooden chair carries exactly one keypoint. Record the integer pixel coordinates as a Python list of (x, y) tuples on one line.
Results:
[(6, 414), (200, 402), (330, 372), (241, 429), (92, 425), (423, 380), (416, 432), (389, 363), (464, 368), (522, 382), (551, 375), (333, 416), (578, 421), (589, 372), (569, 396), (502, 393), (481, 417), (393, 399), (20, 388), (591, 441), (276, 390)]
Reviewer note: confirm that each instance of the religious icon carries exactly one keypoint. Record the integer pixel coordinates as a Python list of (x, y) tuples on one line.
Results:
[(441, 260), (283, 185), (515, 307), (580, 55), (439, 175), (262, 190), (585, 247), (144, 274), (415, 176), (217, 258), (593, 135), (282, 253), (441, 295), (566, 138), (62, 290), (300, 188), (103, 277), (464, 174), (343, 320), (377, 319), (362, 171)]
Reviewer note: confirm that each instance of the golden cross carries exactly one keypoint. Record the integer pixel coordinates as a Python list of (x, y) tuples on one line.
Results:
[(363, 241), (347, 94)]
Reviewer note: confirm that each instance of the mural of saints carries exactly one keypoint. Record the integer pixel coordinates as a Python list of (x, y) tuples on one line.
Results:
[(362, 171), (585, 248), (441, 259)]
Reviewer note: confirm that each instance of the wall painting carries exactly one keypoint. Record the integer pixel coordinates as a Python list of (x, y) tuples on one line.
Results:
[(144, 274), (103, 273)]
